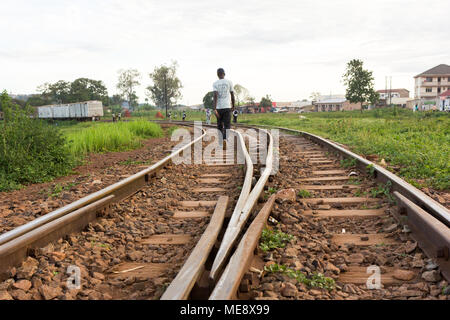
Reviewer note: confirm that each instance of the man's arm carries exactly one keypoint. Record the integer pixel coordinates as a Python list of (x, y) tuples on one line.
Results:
[(215, 104)]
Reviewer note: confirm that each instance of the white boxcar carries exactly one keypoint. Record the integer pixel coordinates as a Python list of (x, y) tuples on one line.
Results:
[(45, 112), (78, 110), (61, 112), (93, 109)]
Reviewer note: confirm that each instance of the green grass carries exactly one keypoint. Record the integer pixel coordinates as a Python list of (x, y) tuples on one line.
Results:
[(273, 239), (105, 137), (313, 280), (304, 194), (418, 144)]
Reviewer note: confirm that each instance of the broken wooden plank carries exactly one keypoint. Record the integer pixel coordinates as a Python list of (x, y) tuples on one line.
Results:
[(364, 239), (327, 187), (335, 178), (194, 204), (168, 239), (190, 214), (215, 189), (349, 200), (345, 213), (360, 275)]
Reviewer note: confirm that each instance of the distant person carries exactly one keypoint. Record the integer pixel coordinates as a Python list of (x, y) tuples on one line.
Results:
[(235, 115), (184, 115), (223, 102), (208, 116), (170, 115), (114, 117), (119, 115)]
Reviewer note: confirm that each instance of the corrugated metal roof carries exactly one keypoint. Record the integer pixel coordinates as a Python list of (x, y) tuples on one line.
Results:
[(440, 69), (336, 100)]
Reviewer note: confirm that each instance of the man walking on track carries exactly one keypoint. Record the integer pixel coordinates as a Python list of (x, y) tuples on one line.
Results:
[(223, 102)]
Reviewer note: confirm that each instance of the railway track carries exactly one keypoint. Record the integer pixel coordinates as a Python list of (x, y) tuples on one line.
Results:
[(359, 232), (193, 232), (129, 240)]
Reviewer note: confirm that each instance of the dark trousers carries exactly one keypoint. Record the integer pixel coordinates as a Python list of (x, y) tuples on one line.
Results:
[(224, 121)]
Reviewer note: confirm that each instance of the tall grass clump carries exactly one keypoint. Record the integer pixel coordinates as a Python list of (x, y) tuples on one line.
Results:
[(105, 137), (31, 151)]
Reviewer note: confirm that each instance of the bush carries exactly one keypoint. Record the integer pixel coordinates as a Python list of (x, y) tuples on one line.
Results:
[(31, 151)]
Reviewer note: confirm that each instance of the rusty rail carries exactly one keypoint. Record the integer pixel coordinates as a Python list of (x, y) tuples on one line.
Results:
[(228, 284), (239, 218), (181, 286)]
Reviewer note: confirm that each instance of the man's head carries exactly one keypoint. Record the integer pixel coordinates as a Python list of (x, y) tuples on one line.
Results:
[(221, 73)]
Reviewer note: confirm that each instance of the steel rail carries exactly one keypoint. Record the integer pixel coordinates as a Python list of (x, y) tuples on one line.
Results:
[(119, 189), (192, 269), (190, 272), (239, 218), (228, 284)]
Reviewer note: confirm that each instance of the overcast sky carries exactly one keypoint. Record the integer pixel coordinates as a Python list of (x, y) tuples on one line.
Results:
[(287, 49)]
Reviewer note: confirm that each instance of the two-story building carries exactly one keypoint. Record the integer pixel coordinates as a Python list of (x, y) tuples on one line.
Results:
[(393, 93), (431, 83)]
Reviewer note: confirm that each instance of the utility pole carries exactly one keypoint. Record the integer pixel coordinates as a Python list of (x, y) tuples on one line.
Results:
[(165, 93), (385, 91), (390, 90)]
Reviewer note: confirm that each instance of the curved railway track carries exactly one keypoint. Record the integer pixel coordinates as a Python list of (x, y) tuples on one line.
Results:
[(129, 240), (151, 236)]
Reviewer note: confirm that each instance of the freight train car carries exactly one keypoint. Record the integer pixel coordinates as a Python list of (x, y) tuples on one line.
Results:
[(87, 110)]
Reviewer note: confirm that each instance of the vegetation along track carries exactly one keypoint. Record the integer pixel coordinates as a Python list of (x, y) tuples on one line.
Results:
[(336, 223)]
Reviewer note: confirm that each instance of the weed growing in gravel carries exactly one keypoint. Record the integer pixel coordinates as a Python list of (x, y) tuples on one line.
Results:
[(354, 181), (313, 280), (382, 190), (304, 194), (348, 163), (370, 170), (57, 189), (272, 190), (274, 239)]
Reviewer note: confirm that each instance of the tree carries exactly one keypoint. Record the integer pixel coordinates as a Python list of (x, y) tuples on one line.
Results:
[(58, 92), (116, 99), (315, 96), (241, 93), (37, 100), (359, 83), (166, 88), (266, 102), (84, 89), (208, 100), (128, 81)]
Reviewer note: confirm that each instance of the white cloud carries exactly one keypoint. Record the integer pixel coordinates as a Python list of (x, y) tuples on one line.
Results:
[(285, 48)]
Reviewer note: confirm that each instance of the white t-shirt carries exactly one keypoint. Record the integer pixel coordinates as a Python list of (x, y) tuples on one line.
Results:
[(223, 88)]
